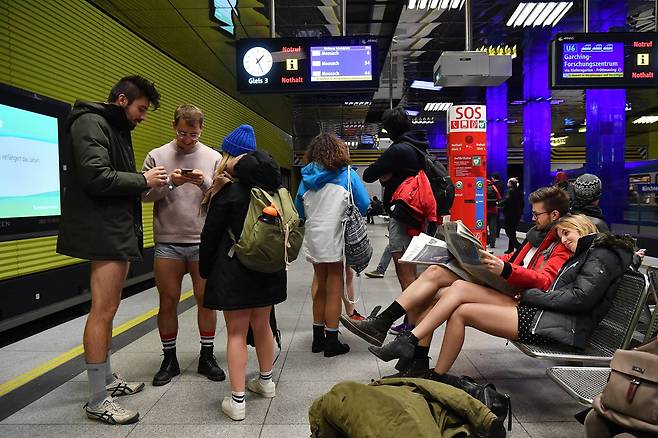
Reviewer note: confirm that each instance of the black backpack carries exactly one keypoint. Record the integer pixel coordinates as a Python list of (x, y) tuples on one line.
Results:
[(493, 196), (442, 186)]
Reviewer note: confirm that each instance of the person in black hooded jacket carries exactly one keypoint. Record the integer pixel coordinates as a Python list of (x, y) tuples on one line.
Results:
[(404, 158), (245, 296)]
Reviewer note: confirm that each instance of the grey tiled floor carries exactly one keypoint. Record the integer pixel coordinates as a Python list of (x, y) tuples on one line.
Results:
[(189, 405)]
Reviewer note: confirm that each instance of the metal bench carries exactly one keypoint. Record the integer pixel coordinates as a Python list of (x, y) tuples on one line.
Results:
[(614, 332), (585, 383), (581, 383)]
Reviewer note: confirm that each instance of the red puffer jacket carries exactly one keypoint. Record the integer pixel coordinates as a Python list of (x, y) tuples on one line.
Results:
[(416, 193), (543, 267)]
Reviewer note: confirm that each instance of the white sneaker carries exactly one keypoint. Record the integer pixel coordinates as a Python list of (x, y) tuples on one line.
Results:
[(120, 387), (109, 411), (235, 411), (267, 390)]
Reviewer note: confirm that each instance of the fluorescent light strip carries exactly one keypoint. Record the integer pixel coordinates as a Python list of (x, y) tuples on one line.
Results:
[(412, 4), (563, 13), (535, 12), (516, 13), (437, 106), (445, 4), (524, 14), (539, 14), (455, 4), (645, 120), (425, 85), (547, 10), (422, 4), (434, 4), (556, 12)]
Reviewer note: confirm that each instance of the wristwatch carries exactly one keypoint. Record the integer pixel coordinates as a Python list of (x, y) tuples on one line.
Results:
[(172, 185)]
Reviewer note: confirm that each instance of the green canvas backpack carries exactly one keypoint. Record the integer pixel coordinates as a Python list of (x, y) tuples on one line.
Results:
[(273, 245)]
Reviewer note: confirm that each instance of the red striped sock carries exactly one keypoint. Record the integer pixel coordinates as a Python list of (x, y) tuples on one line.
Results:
[(207, 338), (168, 341)]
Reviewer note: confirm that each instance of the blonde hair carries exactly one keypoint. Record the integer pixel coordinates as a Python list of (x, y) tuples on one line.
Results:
[(576, 222), (216, 185)]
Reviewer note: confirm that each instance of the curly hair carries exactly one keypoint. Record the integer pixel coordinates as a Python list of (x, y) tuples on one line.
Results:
[(328, 150)]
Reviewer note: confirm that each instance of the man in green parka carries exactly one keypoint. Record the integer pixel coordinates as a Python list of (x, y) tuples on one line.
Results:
[(101, 221)]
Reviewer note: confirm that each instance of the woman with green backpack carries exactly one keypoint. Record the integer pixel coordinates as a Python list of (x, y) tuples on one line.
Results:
[(243, 294)]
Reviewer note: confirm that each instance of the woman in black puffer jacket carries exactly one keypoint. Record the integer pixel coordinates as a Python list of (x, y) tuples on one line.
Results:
[(583, 291), (568, 312)]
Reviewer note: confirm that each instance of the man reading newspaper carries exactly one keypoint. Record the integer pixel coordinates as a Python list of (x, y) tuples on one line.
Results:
[(534, 265), (461, 252)]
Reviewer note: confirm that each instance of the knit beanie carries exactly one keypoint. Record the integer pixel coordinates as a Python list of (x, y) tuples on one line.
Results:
[(240, 141), (587, 188)]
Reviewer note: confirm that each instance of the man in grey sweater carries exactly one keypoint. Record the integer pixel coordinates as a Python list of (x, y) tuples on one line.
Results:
[(177, 224)]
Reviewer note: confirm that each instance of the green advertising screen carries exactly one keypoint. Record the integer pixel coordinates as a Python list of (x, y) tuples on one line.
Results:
[(29, 164)]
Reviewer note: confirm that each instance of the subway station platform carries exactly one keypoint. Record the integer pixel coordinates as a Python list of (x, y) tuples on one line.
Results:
[(52, 383)]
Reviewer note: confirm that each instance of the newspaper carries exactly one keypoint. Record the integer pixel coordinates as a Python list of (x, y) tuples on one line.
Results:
[(425, 250), (464, 248)]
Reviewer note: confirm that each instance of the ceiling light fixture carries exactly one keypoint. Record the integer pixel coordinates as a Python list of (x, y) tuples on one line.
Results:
[(425, 85), (498, 50), (434, 4), (645, 120), (437, 106), (423, 120), (539, 14)]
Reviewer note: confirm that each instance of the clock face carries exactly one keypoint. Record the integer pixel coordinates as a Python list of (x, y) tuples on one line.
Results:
[(257, 61)]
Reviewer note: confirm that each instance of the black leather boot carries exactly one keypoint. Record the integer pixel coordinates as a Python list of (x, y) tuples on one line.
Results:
[(168, 369), (318, 339), (332, 346), (373, 329), (402, 346), (208, 365), (417, 367)]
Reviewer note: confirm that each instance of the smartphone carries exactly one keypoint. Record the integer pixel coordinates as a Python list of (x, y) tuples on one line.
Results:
[(184, 171)]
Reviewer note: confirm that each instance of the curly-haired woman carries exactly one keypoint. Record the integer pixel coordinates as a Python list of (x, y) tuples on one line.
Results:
[(322, 200)]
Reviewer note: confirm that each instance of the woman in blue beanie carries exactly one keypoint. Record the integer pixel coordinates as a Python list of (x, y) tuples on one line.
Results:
[(246, 297)]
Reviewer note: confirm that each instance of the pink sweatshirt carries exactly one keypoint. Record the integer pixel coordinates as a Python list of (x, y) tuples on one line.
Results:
[(176, 217)]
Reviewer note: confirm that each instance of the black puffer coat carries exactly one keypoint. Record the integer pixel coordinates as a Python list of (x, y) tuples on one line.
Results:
[(401, 160), (101, 205), (230, 285), (582, 291)]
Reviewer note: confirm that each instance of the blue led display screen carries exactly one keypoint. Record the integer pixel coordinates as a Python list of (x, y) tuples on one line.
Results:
[(604, 60), (282, 65)]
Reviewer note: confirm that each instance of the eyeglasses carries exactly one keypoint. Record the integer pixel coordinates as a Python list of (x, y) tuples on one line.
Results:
[(192, 135), (536, 214)]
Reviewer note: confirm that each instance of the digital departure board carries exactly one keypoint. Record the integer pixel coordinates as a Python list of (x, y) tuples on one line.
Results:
[(282, 65), (604, 60)]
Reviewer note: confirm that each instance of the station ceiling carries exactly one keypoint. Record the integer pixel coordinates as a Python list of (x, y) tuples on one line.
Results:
[(201, 35)]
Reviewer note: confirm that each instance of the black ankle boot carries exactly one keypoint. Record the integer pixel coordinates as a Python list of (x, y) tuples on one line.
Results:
[(332, 346), (402, 346), (168, 369), (208, 365), (318, 339), (417, 367), (373, 329)]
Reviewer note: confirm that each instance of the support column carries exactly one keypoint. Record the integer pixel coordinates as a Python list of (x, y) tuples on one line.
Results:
[(497, 130), (605, 137), (536, 116)]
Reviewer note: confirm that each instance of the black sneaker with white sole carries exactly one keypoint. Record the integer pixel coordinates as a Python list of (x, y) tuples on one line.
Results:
[(109, 411)]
